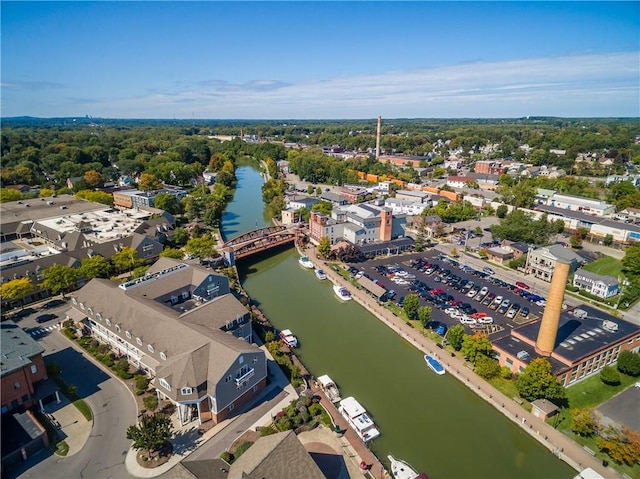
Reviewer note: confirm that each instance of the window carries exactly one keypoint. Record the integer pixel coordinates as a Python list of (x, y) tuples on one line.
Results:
[(108, 321), (240, 359), (16, 385), (90, 310), (99, 316), (165, 384), (74, 301), (230, 408), (82, 306), (151, 348), (163, 356), (139, 341), (147, 247), (118, 329), (227, 379), (186, 391), (34, 369), (127, 334)]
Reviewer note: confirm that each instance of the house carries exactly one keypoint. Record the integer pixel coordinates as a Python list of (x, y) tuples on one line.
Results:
[(297, 202), (405, 207), (596, 284), (459, 181), (489, 167), (277, 456), (541, 262), (629, 214), (181, 327), (353, 193), (209, 177), (499, 255), (333, 198), (519, 249)]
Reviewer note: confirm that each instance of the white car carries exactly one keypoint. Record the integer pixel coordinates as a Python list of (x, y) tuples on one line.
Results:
[(483, 292), (468, 320), (472, 292), (401, 273), (485, 320), (511, 313)]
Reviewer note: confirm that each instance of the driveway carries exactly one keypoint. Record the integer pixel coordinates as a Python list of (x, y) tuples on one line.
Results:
[(113, 409)]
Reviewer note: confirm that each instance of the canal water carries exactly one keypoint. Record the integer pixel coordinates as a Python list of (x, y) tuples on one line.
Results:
[(434, 422)]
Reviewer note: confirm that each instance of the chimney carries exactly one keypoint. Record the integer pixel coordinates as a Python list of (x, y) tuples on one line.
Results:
[(386, 224), (378, 138), (551, 316)]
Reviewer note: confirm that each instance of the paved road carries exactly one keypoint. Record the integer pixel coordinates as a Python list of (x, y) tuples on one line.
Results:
[(113, 408)]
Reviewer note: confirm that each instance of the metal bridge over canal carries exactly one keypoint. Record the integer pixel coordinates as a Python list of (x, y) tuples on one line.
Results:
[(257, 241)]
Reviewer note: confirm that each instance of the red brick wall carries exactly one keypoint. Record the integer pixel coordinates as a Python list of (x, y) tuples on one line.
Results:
[(25, 378)]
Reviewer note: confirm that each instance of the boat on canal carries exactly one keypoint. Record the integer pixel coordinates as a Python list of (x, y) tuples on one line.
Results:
[(434, 364), (402, 470), (305, 262), (289, 339), (358, 419), (321, 275), (329, 388), (341, 293)]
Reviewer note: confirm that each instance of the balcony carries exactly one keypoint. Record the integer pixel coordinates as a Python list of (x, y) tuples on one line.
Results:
[(240, 379)]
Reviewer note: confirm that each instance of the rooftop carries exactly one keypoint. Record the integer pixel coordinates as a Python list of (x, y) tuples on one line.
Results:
[(17, 348)]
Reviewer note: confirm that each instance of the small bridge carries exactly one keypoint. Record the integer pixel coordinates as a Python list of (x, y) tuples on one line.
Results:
[(257, 241)]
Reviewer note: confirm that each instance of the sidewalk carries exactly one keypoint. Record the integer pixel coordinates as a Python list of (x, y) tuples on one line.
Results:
[(560, 445), (73, 428)]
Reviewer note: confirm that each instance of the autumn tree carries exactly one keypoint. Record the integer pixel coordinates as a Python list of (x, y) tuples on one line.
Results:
[(487, 367), (537, 382), (476, 345), (93, 178), (16, 289), (151, 433), (59, 278), (149, 182), (583, 421), (622, 445), (324, 246)]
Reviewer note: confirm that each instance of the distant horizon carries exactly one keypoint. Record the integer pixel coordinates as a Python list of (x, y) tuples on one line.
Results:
[(320, 60)]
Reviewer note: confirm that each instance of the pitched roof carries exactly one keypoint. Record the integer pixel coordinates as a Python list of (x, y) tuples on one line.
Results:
[(17, 348), (279, 456), (608, 280)]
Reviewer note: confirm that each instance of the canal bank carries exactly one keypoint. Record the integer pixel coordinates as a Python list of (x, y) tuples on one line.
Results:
[(436, 423), (556, 442)]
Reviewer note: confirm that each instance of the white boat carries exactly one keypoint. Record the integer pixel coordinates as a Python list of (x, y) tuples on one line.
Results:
[(321, 275), (329, 388), (305, 262), (342, 293), (434, 364), (358, 419), (289, 339), (402, 470)]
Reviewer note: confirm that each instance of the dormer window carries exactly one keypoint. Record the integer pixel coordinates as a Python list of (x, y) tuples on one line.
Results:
[(139, 341), (108, 321), (163, 356), (151, 348), (90, 310), (74, 301), (82, 306), (128, 334), (99, 316), (186, 391), (118, 329)]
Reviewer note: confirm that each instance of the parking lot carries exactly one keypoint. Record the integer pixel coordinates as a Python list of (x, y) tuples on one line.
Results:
[(457, 293)]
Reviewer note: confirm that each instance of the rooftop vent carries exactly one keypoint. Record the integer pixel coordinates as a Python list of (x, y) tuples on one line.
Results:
[(610, 325), (522, 355)]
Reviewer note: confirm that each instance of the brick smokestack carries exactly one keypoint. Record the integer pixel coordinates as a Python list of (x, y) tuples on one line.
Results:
[(551, 316), (378, 138)]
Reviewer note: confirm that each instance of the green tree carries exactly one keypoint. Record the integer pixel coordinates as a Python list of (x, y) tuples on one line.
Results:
[(9, 194), (324, 246), (323, 207), (583, 421), (126, 259), (151, 433), (575, 240), (537, 382), (201, 247), (631, 261), (608, 240), (475, 346), (16, 289), (486, 367), (501, 211), (172, 253), (628, 362), (59, 278), (411, 305), (455, 336), (95, 266), (424, 315), (96, 196), (180, 236), (609, 375), (166, 202)]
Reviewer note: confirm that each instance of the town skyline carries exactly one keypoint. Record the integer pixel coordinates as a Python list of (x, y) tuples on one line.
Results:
[(314, 60)]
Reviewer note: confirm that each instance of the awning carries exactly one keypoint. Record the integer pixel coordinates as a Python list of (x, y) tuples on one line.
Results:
[(372, 287), (75, 315)]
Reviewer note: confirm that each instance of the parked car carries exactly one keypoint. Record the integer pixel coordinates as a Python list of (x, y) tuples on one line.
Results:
[(488, 299), (43, 318), (478, 315), (504, 306), (496, 302), (522, 285), (485, 320), (524, 312)]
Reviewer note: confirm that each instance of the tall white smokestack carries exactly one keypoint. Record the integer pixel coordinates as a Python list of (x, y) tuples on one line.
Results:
[(378, 138)]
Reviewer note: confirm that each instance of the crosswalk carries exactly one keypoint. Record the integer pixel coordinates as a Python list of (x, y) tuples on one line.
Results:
[(41, 331)]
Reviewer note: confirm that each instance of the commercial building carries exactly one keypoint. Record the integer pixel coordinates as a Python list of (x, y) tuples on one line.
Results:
[(415, 195), (596, 284), (405, 207), (143, 199), (489, 167), (578, 203), (179, 325)]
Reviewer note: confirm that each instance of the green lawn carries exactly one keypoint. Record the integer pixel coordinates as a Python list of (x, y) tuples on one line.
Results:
[(606, 265)]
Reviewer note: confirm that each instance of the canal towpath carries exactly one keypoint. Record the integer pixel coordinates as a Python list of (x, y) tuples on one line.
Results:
[(559, 444)]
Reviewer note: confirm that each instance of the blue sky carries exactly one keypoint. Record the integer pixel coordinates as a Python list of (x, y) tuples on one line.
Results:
[(286, 60)]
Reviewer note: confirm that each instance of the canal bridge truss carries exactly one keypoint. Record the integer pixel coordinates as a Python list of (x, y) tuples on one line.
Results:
[(257, 241)]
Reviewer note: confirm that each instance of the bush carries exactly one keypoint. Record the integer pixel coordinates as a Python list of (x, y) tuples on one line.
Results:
[(150, 402), (505, 373), (629, 363), (502, 211), (610, 376), (142, 383), (241, 449), (227, 457)]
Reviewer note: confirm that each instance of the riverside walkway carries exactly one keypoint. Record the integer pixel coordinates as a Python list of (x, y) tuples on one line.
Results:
[(559, 444)]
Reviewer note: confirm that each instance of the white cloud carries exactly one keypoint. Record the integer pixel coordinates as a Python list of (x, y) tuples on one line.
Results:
[(581, 85)]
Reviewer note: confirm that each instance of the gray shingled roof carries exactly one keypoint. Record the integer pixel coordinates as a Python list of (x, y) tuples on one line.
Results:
[(279, 456), (17, 348), (608, 280)]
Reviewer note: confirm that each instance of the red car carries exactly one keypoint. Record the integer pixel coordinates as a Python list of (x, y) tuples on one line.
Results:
[(522, 285), (437, 291)]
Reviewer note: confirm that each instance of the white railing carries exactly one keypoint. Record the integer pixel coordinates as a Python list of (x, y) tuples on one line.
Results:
[(245, 376)]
